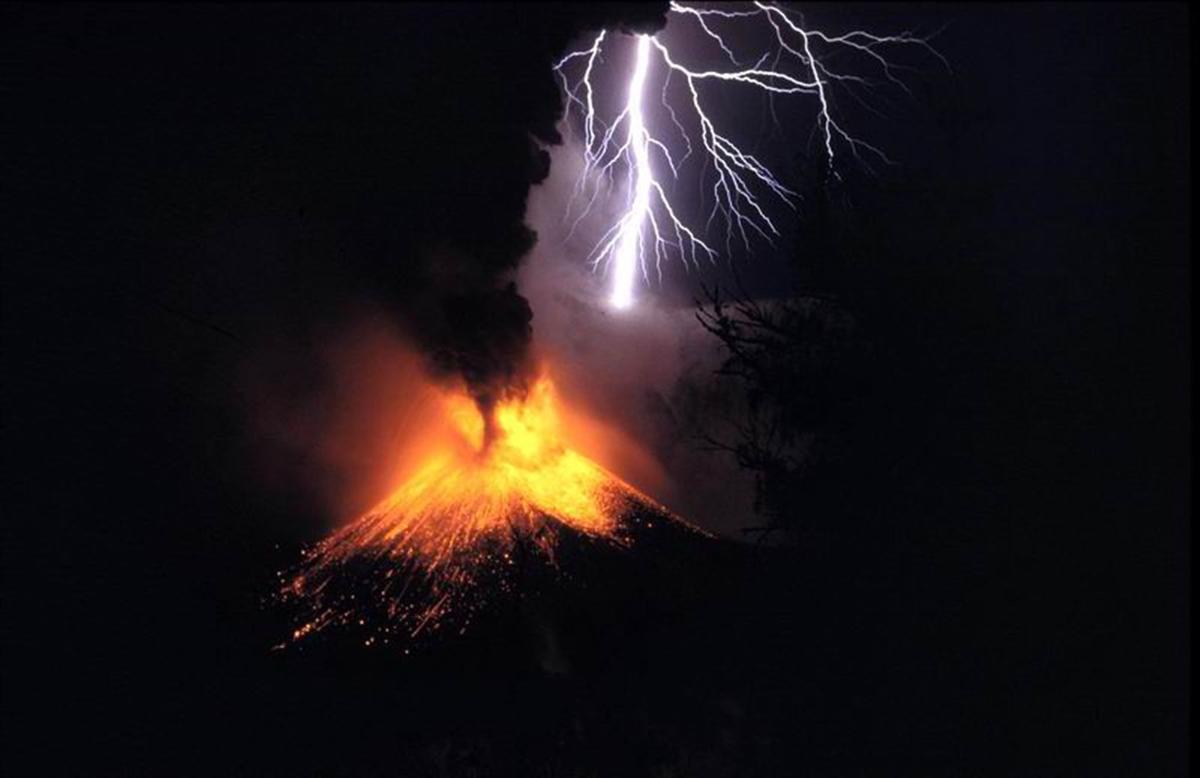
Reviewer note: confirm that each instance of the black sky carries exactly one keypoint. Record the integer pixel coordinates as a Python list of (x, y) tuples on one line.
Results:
[(184, 184)]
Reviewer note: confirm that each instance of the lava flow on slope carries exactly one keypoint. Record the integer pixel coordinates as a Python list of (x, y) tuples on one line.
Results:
[(488, 493)]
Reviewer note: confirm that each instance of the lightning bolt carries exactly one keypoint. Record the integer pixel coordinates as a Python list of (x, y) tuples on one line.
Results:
[(648, 228), (629, 234)]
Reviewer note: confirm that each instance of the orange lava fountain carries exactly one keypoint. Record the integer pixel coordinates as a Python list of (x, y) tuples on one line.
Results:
[(481, 497)]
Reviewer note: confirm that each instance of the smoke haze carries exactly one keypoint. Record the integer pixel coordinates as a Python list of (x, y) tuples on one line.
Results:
[(631, 367)]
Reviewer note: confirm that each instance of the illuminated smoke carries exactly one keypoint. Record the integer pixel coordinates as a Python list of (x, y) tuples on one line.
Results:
[(649, 228)]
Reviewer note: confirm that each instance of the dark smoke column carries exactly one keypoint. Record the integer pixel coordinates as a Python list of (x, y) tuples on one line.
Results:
[(469, 316)]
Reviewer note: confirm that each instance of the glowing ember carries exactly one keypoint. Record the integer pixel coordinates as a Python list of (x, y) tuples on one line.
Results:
[(429, 555)]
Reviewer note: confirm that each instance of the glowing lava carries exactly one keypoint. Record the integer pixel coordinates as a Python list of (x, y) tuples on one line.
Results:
[(430, 554)]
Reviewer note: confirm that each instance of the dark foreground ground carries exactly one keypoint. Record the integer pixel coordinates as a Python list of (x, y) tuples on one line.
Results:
[(684, 657)]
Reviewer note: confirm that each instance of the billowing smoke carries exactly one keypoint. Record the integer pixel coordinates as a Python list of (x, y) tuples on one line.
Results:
[(474, 325), (467, 313)]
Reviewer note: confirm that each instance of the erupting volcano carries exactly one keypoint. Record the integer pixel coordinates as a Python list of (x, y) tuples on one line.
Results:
[(493, 489)]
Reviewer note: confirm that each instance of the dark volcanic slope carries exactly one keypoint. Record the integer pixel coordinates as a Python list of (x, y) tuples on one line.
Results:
[(546, 589)]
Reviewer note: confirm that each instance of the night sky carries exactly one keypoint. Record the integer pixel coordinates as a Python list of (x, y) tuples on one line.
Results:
[(196, 192)]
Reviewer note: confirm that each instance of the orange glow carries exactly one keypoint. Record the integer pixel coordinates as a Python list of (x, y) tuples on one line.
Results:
[(459, 513)]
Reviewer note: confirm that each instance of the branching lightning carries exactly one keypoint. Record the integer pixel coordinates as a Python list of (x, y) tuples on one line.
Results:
[(649, 228)]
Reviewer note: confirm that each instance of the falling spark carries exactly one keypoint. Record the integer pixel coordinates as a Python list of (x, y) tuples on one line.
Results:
[(649, 228)]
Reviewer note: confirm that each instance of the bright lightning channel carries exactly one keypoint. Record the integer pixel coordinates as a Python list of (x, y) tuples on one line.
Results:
[(648, 228), (628, 250)]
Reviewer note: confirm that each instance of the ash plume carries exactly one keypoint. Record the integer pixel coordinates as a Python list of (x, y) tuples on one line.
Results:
[(464, 310)]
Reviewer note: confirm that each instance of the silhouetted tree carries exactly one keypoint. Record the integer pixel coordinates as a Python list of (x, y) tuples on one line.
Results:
[(790, 362)]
